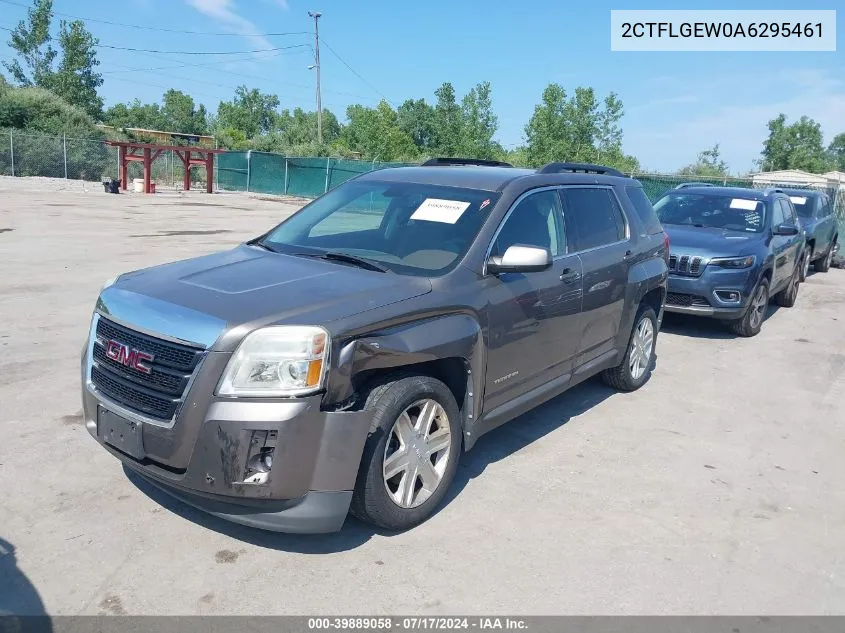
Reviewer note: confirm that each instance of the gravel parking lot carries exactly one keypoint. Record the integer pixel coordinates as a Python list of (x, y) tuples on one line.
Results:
[(718, 488)]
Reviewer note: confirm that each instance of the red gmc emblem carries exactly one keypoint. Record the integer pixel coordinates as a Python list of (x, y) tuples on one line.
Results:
[(130, 357)]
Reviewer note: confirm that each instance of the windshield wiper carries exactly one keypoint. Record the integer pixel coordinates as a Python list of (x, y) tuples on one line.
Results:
[(261, 244), (338, 256)]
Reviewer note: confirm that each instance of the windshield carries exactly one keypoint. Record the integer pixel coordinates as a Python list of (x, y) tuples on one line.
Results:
[(403, 227), (803, 205), (712, 210)]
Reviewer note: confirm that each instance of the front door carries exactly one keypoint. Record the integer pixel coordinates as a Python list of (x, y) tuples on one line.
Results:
[(597, 231), (533, 318)]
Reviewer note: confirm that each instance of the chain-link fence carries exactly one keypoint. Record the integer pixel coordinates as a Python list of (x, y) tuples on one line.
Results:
[(32, 154)]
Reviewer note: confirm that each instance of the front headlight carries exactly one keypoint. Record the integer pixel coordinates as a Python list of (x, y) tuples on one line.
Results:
[(734, 262), (280, 360)]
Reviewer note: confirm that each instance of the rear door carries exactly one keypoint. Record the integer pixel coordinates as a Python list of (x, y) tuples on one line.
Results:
[(597, 231), (827, 224)]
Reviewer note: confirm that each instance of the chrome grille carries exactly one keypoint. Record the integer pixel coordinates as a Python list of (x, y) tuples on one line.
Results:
[(158, 393), (691, 266)]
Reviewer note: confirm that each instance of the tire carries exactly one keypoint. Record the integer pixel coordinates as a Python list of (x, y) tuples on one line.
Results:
[(823, 265), (786, 298), (636, 366), (806, 262), (752, 320), (374, 499)]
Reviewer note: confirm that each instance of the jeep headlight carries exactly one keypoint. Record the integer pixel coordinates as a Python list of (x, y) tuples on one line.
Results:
[(280, 360), (746, 261)]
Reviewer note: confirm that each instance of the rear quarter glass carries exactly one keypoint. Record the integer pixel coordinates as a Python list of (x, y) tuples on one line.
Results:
[(645, 211)]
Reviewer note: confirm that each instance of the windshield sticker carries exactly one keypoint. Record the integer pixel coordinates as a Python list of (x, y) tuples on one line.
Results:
[(484, 204), (798, 200), (741, 203), (437, 210)]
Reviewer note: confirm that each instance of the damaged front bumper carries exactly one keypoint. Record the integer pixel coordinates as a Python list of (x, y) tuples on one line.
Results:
[(308, 488), (212, 453)]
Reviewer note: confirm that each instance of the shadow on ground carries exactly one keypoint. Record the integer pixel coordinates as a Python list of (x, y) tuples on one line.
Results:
[(703, 327), (497, 445), (21, 608)]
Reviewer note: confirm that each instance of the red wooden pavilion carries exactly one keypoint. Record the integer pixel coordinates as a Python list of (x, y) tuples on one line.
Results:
[(146, 153)]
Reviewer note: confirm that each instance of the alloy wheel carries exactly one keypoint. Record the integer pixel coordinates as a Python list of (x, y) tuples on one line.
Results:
[(417, 453), (758, 306), (642, 345)]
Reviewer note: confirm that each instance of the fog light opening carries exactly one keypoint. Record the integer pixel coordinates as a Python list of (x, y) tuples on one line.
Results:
[(728, 296)]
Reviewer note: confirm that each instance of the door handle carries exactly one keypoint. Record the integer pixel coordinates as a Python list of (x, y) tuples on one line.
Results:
[(568, 275)]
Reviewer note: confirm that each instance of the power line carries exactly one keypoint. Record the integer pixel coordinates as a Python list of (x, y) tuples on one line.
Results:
[(156, 28), (147, 50), (354, 72)]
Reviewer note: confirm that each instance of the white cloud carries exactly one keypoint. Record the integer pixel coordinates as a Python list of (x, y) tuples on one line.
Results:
[(737, 118), (224, 12)]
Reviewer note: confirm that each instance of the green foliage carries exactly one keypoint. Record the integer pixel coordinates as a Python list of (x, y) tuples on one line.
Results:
[(577, 129), (708, 165), (39, 110), (31, 40), (794, 146), (376, 134), (43, 126), (74, 79), (251, 112), (836, 152)]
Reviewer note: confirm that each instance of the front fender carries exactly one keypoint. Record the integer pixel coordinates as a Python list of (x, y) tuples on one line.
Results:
[(431, 339)]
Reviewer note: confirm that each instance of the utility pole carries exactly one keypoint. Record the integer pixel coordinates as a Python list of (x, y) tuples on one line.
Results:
[(316, 16)]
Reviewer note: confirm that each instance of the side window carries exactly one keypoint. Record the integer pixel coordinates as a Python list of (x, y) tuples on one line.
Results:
[(789, 212), (593, 217), (535, 221), (778, 216), (645, 210), (824, 207)]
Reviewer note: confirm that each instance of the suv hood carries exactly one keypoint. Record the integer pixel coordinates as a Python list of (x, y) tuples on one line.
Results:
[(710, 242), (196, 299)]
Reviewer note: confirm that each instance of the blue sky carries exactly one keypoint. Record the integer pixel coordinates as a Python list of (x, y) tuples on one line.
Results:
[(676, 103)]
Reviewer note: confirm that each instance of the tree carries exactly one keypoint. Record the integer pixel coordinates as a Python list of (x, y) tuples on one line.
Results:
[(479, 124), (31, 40), (135, 114), (447, 122), (836, 152), (794, 146), (251, 111), (75, 79), (416, 118), (708, 165), (375, 133), (179, 114)]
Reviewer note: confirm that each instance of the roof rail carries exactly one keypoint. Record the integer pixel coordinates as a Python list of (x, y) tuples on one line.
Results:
[(556, 168), (442, 162), (684, 185), (769, 190)]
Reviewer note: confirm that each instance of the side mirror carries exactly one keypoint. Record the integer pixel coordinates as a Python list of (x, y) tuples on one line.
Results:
[(521, 259), (786, 229)]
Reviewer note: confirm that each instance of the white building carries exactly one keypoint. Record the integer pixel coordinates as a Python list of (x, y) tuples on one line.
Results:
[(794, 177)]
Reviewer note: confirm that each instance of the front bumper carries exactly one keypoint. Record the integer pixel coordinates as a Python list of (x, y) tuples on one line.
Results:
[(204, 456), (704, 295)]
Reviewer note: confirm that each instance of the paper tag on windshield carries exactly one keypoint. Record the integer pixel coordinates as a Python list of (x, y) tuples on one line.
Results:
[(798, 200), (437, 210), (741, 203)]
